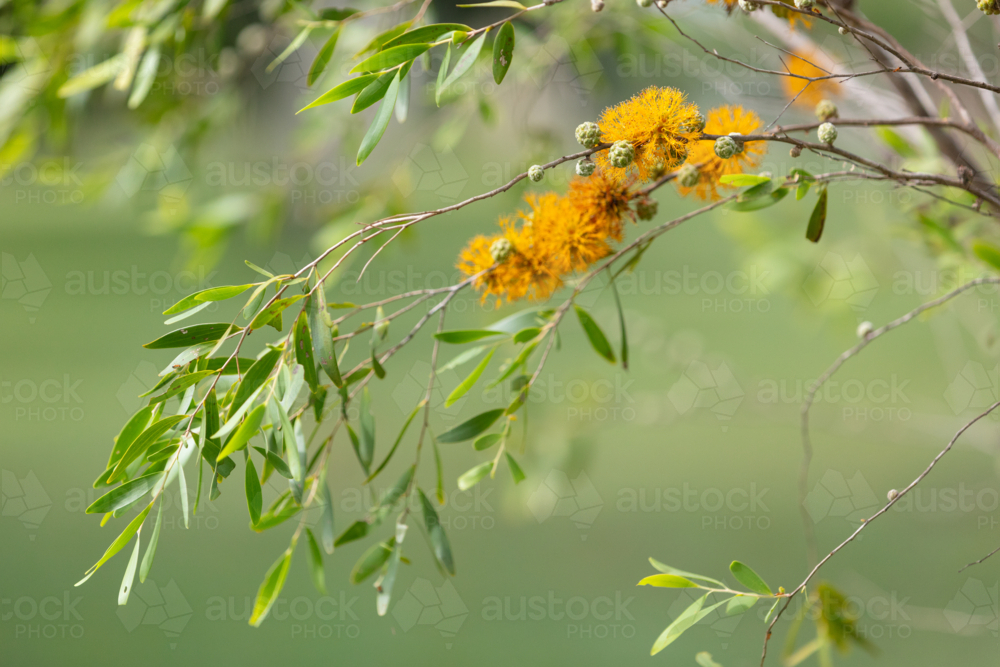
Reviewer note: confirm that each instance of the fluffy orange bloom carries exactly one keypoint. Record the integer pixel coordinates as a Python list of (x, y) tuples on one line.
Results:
[(812, 92), (724, 120), (571, 241), (601, 201), (476, 258), (658, 122), (529, 271)]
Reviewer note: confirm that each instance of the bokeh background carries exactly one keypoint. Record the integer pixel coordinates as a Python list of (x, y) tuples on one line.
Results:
[(690, 456)]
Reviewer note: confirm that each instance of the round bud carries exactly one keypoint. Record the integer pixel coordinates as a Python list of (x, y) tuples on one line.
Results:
[(644, 3), (621, 154), (749, 5), (696, 125), (842, 30), (988, 6), (892, 495), (739, 144), (688, 176), (588, 134), (726, 147), (657, 170), (827, 133), (500, 250), (597, 5), (536, 173), (826, 110), (796, 151), (646, 208), (803, 4), (585, 167), (662, 4), (865, 330)]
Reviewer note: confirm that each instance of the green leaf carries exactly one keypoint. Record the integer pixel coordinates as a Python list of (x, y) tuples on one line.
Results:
[(755, 200), (377, 129), (142, 443), (749, 578), (472, 477), (687, 618), (895, 142), (621, 324), (322, 59), (367, 420), (467, 384), (704, 659), (129, 577), (355, 531), (371, 561), (666, 569), (279, 416), (471, 428), (442, 74), (485, 442), (206, 296), (327, 519), (119, 542), (462, 358), (342, 90), (145, 76), (439, 541), (135, 426), (376, 366), (254, 497), (275, 462), (667, 581), (515, 469), (181, 384), (322, 336), (91, 78), (147, 559), (374, 91), (739, 604), (390, 57), (459, 337), (818, 218), (403, 101), (466, 61), (247, 430), (274, 310), (302, 342), (802, 190), (742, 180), (336, 14), (503, 52), (126, 494), (427, 33), (253, 380), (193, 335), (384, 38), (597, 338), (395, 445), (987, 252), (271, 587), (316, 563), (292, 47)]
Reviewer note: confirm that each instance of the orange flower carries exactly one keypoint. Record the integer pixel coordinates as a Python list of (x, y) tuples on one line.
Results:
[(658, 122), (571, 241), (724, 120), (811, 91), (475, 259), (528, 272), (601, 201)]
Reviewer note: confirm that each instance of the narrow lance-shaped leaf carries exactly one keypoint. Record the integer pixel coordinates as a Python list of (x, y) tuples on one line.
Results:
[(271, 587), (395, 445), (468, 58), (503, 52), (126, 494), (367, 419), (147, 559), (515, 469), (322, 337), (327, 519), (442, 75), (594, 334), (439, 541), (749, 578), (120, 541), (192, 335), (323, 58), (129, 577), (316, 563), (371, 561), (818, 218), (390, 57), (463, 388), (474, 476), (621, 323), (254, 497), (145, 440), (381, 122), (471, 428), (247, 430), (254, 379)]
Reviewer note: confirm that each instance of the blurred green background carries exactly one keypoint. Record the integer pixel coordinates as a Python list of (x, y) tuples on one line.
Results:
[(690, 456)]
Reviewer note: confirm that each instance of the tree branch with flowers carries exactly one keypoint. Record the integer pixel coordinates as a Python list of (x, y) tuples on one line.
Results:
[(284, 412)]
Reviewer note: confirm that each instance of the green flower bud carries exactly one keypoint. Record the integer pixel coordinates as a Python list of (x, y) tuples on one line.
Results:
[(646, 208), (726, 147), (621, 154), (536, 173), (803, 4), (588, 134), (688, 176), (500, 250), (585, 167), (865, 329), (842, 30), (826, 110), (749, 5), (988, 6), (644, 3), (739, 144), (826, 133), (658, 170), (697, 125)]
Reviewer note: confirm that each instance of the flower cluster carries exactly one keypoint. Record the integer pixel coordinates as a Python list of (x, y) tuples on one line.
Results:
[(803, 91), (557, 235), (748, 5)]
